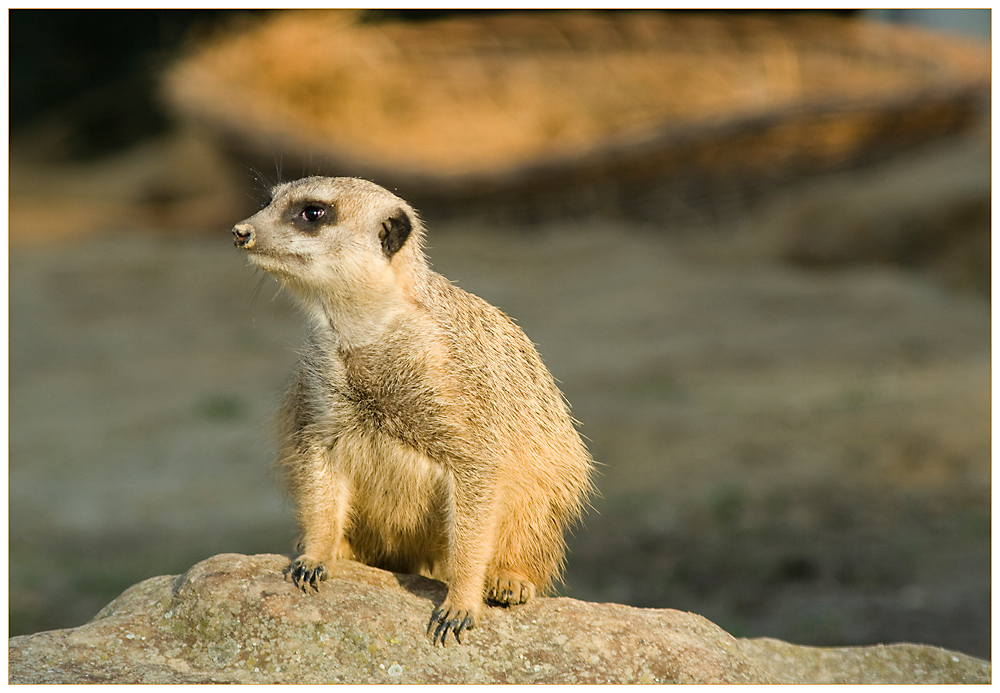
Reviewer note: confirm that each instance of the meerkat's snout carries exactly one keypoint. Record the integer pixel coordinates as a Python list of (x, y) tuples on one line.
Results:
[(244, 236)]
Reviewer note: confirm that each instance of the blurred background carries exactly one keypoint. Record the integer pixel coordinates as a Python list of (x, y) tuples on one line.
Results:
[(754, 248)]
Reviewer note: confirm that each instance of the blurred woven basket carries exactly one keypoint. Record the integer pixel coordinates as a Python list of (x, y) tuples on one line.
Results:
[(574, 109)]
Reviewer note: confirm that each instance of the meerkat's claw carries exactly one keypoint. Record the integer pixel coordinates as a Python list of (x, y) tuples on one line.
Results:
[(436, 615), (508, 590), (452, 620), (303, 576)]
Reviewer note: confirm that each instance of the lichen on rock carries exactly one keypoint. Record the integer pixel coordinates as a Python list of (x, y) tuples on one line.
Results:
[(236, 619)]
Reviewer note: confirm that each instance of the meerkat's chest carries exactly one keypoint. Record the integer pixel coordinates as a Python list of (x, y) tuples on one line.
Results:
[(388, 400), (382, 416), (394, 486)]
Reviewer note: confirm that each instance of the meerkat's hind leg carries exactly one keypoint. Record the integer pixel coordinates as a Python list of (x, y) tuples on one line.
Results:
[(508, 589)]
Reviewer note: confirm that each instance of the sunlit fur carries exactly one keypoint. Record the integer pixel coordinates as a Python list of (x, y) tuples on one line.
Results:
[(421, 433)]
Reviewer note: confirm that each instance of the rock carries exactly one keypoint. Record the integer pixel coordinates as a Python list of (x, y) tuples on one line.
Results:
[(236, 619)]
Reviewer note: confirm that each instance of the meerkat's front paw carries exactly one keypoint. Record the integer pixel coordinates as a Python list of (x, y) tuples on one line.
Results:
[(450, 618), (508, 589), (307, 572)]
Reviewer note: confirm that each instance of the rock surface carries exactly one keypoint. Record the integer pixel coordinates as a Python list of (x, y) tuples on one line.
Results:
[(235, 619)]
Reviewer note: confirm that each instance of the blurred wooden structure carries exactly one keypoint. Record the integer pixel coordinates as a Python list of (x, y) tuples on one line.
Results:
[(643, 114)]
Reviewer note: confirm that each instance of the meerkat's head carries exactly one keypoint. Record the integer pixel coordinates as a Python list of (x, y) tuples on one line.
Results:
[(349, 249)]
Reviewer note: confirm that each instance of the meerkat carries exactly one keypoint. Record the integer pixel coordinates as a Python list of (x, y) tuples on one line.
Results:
[(421, 433)]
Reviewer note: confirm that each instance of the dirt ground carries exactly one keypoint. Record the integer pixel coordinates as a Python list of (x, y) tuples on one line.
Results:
[(793, 450)]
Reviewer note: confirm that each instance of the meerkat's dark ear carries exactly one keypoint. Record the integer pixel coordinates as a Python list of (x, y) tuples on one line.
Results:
[(395, 230)]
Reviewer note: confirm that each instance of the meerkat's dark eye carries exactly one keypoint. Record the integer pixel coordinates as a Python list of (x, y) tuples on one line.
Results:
[(312, 213)]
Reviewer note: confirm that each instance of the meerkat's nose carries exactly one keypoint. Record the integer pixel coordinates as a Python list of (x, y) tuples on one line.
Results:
[(243, 235)]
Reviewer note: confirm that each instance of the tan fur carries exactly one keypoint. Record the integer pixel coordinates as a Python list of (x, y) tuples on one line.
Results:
[(422, 433)]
